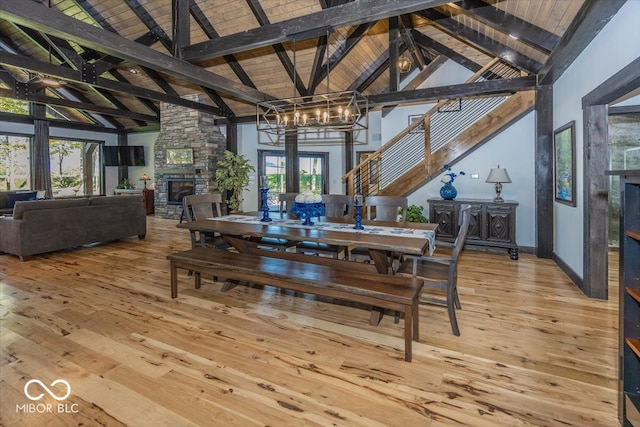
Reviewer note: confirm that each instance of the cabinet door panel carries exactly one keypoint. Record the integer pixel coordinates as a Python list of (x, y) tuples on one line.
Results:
[(475, 224), (499, 227), (445, 217)]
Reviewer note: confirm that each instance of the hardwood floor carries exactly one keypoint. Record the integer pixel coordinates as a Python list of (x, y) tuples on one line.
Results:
[(533, 351)]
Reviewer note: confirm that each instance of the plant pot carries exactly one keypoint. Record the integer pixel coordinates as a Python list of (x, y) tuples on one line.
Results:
[(448, 191)]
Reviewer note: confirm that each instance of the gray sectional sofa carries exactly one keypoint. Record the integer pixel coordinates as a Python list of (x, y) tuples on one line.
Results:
[(41, 226)]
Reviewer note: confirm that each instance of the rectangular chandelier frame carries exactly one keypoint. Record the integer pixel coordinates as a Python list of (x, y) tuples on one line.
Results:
[(328, 112)]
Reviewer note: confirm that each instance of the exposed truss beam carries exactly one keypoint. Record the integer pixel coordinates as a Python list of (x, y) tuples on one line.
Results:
[(75, 76), (33, 15), (352, 40), (84, 106), (353, 13), (150, 23), (261, 16), (429, 43), (475, 39), (590, 19), (379, 66), (534, 36), (476, 89), (425, 73)]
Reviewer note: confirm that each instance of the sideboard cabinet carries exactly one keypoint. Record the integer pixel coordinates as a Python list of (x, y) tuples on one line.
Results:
[(491, 224), (629, 303)]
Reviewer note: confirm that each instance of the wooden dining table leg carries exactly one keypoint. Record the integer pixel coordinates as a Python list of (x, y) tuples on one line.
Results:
[(381, 262)]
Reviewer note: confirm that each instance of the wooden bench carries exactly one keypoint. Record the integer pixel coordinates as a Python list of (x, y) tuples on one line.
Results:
[(333, 281)]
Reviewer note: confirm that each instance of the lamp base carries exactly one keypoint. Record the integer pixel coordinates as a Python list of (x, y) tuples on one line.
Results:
[(498, 199)]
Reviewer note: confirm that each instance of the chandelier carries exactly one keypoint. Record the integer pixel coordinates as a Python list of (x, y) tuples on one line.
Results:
[(323, 113), (319, 116)]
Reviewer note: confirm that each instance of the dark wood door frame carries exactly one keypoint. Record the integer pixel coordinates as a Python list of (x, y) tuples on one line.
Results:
[(596, 184)]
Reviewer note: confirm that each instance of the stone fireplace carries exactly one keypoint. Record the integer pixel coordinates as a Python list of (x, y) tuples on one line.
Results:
[(180, 128)]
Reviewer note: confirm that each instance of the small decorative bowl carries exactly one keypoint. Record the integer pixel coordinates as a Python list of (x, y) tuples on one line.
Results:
[(307, 211)]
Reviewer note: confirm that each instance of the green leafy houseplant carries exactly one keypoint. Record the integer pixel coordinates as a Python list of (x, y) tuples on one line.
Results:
[(414, 214), (232, 174)]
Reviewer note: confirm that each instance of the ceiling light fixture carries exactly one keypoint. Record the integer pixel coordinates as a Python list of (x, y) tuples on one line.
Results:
[(321, 114), (404, 64)]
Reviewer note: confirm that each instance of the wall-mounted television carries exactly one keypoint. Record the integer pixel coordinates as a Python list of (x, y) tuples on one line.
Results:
[(119, 155)]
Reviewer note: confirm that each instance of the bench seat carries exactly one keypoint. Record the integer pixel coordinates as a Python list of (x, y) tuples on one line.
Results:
[(334, 281)]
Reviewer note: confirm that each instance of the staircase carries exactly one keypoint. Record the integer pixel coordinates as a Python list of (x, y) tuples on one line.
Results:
[(448, 132)]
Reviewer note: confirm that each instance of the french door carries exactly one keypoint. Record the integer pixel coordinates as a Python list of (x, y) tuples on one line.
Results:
[(313, 168)]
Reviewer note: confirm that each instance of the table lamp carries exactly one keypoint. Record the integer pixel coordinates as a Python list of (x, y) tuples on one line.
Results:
[(498, 176), (145, 178)]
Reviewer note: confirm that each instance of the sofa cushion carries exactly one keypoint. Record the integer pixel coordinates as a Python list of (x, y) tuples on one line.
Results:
[(12, 198), (21, 207), (117, 200)]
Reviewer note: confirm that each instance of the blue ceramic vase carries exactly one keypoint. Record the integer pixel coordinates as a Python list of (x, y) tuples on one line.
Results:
[(448, 191)]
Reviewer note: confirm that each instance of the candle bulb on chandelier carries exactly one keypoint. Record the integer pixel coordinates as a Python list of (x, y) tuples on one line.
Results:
[(346, 114), (296, 118), (340, 112), (304, 119), (286, 120), (318, 115), (325, 117)]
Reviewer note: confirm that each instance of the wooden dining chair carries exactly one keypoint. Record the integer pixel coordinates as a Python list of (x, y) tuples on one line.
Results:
[(200, 207), (386, 208), (335, 206), (285, 202), (440, 274), (382, 208)]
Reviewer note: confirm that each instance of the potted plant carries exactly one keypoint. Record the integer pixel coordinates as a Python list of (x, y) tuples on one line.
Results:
[(414, 214), (232, 174)]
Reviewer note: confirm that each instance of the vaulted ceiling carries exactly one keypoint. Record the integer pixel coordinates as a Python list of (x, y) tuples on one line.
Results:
[(115, 60)]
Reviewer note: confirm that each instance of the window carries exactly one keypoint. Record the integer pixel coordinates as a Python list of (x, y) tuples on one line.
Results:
[(15, 170), (76, 167), (314, 173)]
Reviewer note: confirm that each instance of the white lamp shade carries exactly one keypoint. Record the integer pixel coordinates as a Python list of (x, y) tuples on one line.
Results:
[(498, 175)]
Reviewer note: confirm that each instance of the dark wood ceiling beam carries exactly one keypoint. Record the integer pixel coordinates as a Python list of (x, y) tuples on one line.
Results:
[(429, 43), (208, 29), (85, 106), (508, 24), (63, 124), (352, 13), (351, 42), (181, 28), (33, 15), (590, 19), (263, 19), (108, 62), (144, 101), (410, 43), (127, 89), (379, 66), (425, 73), (481, 42), (150, 23), (316, 68), (476, 89), (215, 97), (394, 54)]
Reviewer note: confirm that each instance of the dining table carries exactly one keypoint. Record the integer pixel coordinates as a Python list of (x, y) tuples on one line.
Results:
[(380, 238)]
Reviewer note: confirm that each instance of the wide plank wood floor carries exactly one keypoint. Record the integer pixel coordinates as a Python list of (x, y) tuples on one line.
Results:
[(533, 350)]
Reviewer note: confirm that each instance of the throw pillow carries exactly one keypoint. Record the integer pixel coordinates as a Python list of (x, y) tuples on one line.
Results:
[(12, 198)]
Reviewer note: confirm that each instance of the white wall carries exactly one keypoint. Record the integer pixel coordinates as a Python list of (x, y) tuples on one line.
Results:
[(146, 139), (614, 48)]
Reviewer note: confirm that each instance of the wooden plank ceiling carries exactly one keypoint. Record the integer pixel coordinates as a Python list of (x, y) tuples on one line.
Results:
[(117, 59)]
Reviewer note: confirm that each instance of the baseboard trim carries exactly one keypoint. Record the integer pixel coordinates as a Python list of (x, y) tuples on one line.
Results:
[(573, 276)]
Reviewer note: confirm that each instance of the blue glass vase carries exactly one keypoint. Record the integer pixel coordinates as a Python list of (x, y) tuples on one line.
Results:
[(448, 191)]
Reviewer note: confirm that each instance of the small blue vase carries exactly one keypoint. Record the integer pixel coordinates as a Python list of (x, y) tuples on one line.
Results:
[(448, 191)]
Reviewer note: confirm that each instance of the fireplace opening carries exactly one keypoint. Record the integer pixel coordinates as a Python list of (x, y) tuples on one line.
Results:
[(177, 188)]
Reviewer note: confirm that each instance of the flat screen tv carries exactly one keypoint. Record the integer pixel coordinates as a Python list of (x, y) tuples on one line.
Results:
[(131, 155)]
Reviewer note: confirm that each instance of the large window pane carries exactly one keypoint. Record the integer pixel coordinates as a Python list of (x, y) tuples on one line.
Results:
[(75, 167), (15, 171)]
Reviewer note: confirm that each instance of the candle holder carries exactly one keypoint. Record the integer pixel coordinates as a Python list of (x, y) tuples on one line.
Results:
[(358, 210), (265, 205)]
